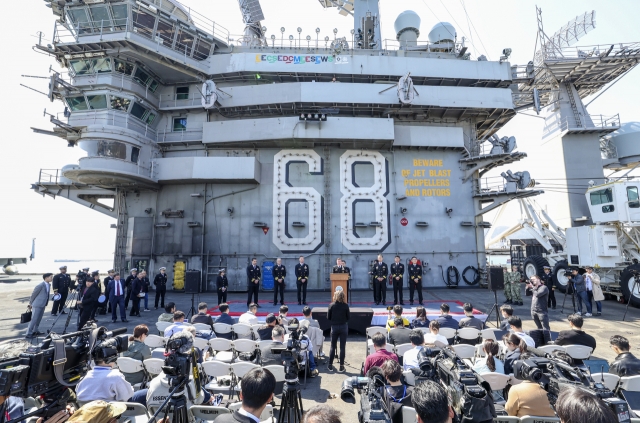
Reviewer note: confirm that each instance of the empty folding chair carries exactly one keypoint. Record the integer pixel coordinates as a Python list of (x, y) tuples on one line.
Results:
[(469, 336), (448, 333), (278, 373), (130, 365), (242, 331), (222, 329), (630, 383), (134, 410), (202, 327), (154, 341), (578, 352), (551, 348), (207, 413), (202, 344), (223, 349), (244, 346), (497, 381), (506, 419), (538, 419), (409, 415), (488, 334), (153, 366), (219, 370), (464, 350), (607, 379), (162, 326)]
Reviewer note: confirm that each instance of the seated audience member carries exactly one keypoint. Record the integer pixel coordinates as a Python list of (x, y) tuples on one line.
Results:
[(515, 325), (575, 335), (103, 382), (322, 413), (305, 342), (395, 393), (528, 399), (625, 363), (256, 392), (410, 359), (380, 355), (399, 334), (575, 405), (159, 387), (421, 320), (267, 357), (202, 316), (284, 321), (507, 311), (306, 312), (397, 313), (178, 324), (515, 347), (97, 412), (167, 316), (264, 331), (431, 402), (489, 363), (226, 319), (434, 336), (470, 321), (137, 350), (249, 318), (445, 320)]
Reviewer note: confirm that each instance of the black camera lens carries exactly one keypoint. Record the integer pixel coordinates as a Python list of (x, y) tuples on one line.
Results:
[(347, 392)]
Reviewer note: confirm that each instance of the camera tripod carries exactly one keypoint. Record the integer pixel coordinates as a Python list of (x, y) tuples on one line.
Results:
[(573, 296), (67, 304), (175, 405), (291, 404), (636, 285), (496, 308), (192, 311)]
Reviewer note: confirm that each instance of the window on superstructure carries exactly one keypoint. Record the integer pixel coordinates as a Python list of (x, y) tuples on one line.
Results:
[(184, 42), (135, 153), (117, 150), (120, 15), (77, 104), (141, 76), (601, 196), (123, 67), (153, 85), (80, 67), (182, 93), (179, 124), (166, 31), (143, 23), (120, 103), (102, 65), (203, 49), (150, 118), (139, 111), (79, 20), (97, 102), (632, 196), (100, 17)]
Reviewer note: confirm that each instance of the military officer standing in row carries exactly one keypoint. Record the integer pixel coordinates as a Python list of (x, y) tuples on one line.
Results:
[(222, 283), (128, 284), (279, 272), (380, 272), (160, 282), (415, 280), (302, 279), (253, 282), (397, 277), (61, 285)]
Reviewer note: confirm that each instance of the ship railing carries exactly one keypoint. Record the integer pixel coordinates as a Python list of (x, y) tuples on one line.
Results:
[(49, 176), (619, 50), (200, 21), (597, 122), (116, 118), (490, 184), (171, 100), (167, 135)]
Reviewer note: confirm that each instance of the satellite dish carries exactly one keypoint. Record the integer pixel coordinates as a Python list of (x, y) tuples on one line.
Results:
[(510, 145), (406, 92), (536, 100), (209, 95)]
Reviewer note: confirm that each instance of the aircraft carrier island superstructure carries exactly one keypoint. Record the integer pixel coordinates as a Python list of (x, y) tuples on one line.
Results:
[(209, 151)]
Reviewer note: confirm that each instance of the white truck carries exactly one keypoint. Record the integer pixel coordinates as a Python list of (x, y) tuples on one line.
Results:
[(611, 245)]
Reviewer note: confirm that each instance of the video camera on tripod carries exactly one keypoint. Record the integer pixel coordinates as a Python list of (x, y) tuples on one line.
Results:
[(555, 375), (291, 355), (56, 363), (373, 407)]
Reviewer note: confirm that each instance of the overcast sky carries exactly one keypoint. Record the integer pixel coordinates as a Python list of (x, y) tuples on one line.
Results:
[(66, 230)]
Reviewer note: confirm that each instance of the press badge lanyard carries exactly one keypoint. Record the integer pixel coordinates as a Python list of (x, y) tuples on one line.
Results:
[(404, 395)]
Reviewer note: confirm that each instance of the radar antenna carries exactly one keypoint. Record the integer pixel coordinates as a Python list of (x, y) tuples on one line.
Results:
[(252, 15), (366, 21), (566, 36)]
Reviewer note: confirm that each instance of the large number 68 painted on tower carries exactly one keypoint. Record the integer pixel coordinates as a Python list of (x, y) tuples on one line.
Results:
[(352, 193)]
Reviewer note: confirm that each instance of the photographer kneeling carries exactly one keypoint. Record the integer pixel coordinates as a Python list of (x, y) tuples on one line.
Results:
[(395, 393)]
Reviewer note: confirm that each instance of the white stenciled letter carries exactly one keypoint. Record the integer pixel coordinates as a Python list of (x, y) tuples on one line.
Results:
[(351, 193), (284, 192)]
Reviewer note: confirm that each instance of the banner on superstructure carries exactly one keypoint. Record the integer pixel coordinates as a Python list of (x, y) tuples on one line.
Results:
[(301, 60)]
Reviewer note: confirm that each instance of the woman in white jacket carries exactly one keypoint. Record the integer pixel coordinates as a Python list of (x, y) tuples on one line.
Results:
[(594, 291)]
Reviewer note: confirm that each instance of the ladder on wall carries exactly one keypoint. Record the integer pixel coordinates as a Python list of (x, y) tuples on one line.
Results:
[(121, 232)]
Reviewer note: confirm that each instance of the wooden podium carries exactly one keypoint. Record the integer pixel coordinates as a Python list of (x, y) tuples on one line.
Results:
[(340, 279)]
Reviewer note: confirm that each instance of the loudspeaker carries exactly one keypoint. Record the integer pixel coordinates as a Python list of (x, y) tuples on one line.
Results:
[(496, 278), (192, 282)]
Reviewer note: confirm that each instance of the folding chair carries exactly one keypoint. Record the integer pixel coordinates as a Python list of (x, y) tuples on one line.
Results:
[(538, 419), (207, 413), (202, 327), (498, 382), (202, 344), (578, 352), (448, 333), (221, 329), (267, 415), (608, 379), (409, 377), (154, 341), (217, 369), (254, 329), (469, 335), (488, 334), (464, 350), (244, 346), (630, 383), (223, 349), (238, 370), (161, 326), (133, 409), (403, 348), (551, 348), (409, 415), (153, 366), (278, 373), (130, 365), (242, 331)]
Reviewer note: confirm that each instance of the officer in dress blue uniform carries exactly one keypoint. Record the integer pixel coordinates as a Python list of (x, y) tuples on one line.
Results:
[(160, 282), (397, 277), (60, 285), (380, 272), (222, 284), (253, 281), (279, 272), (415, 280), (302, 280)]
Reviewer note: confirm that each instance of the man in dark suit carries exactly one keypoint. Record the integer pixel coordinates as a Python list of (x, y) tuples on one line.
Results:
[(397, 277), (253, 281), (128, 283), (265, 332), (445, 320), (279, 273), (116, 295), (224, 315), (380, 272), (575, 336), (105, 281), (267, 357), (399, 334), (256, 392), (89, 302), (302, 277), (60, 285), (136, 288)]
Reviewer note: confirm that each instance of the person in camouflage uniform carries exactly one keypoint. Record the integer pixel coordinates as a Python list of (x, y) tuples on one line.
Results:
[(512, 287)]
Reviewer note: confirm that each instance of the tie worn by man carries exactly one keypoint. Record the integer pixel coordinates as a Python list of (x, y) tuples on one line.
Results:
[(253, 282), (61, 285), (116, 297)]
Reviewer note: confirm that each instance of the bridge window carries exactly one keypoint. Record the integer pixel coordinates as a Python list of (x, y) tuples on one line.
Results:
[(123, 67), (80, 67), (632, 196), (97, 102), (203, 49), (143, 23), (143, 113), (184, 42), (166, 32), (117, 150), (78, 16), (100, 16), (120, 103), (77, 104), (601, 196), (182, 93), (179, 124), (102, 65), (608, 208), (135, 153), (120, 15)]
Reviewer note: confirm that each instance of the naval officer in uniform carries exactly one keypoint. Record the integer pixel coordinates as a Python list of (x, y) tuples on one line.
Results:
[(302, 279), (415, 280), (222, 283), (61, 284), (253, 282), (279, 272), (160, 282), (397, 277), (380, 272)]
